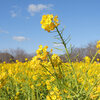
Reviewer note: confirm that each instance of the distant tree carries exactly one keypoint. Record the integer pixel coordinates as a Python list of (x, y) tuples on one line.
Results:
[(91, 49), (20, 54), (75, 54), (6, 57)]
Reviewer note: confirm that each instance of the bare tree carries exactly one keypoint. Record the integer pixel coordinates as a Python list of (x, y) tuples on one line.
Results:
[(6, 57), (20, 54)]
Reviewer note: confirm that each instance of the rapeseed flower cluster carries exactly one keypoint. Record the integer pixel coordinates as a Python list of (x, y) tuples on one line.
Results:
[(42, 52), (98, 46), (49, 22), (87, 59), (56, 60)]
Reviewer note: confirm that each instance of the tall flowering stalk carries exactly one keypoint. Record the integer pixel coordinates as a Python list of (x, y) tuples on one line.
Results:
[(50, 23)]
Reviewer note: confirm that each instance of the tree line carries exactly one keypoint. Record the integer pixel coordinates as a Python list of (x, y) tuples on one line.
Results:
[(12, 55), (76, 54)]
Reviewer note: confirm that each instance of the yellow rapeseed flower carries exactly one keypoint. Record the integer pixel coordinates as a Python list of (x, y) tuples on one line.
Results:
[(48, 87), (26, 59), (39, 84), (98, 44), (98, 59), (53, 97), (34, 77), (87, 59), (56, 89), (98, 51), (42, 52), (40, 47), (51, 50), (56, 59), (52, 92), (48, 97), (17, 93), (49, 22), (38, 51), (56, 19)]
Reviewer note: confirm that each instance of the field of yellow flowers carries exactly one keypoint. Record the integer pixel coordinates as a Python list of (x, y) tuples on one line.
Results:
[(46, 77)]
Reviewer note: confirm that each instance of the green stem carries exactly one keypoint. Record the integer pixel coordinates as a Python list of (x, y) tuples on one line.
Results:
[(91, 89), (63, 42), (47, 69), (52, 66), (94, 58), (91, 62), (70, 90)]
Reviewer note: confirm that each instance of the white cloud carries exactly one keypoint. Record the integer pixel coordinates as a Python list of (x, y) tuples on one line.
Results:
[(20, 38), (27, 18), (13, 14), (32, 8), (3, 31), (57, 45), (15, 11), (14, 6)]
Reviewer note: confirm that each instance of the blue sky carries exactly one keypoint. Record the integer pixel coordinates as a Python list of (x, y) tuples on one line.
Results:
[(20, 22)]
